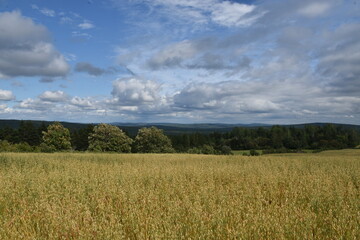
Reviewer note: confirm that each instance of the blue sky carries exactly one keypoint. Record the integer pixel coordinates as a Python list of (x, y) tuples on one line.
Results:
[(185, 61)]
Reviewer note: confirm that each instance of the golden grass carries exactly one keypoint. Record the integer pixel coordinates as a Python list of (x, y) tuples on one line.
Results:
[(180, 196)]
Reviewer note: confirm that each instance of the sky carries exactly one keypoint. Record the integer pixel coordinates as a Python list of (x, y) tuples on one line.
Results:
[(181, 61)]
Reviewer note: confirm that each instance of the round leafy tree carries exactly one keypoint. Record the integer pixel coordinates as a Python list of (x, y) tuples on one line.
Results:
[(57, 137), (109, 138), (152, 140)]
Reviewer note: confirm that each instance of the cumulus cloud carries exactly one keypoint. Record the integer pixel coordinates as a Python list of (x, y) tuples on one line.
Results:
[(58, 105), (277, 61), (282, 66), (53, 96), (260, 100), (34, 105), (135, 91), (231, 96), (26, 50), (82, 102), (6, 95)]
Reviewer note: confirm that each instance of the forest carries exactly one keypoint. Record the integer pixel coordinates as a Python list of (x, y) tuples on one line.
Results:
[(28, 136)]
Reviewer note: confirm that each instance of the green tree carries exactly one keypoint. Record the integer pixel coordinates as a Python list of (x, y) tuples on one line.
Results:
[(109, 138), (152, 140), (28, 133), (56, 138), (80, 138)]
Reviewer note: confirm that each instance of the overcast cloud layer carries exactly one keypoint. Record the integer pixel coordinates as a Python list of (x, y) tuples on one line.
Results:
[(274, 61)]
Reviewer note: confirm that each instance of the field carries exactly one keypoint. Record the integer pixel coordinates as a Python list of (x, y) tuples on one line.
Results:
[(180, 196)]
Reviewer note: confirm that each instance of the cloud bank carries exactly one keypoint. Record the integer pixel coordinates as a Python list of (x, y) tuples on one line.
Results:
[(215, 61)]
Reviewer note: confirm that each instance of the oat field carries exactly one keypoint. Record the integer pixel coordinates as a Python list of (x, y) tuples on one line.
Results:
[(180, 196)]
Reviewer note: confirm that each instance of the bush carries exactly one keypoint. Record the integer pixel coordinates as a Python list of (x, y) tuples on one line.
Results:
[(253, 152), (226, 150), (194, 150), (24, 147), (5, 146), (207, 149), (46, 148)]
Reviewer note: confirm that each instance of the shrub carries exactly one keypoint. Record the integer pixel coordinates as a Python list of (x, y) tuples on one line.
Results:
[(226, 150), (253, 152)]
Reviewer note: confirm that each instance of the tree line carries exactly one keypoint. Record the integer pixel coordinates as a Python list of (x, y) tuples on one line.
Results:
[(99, 138), (273, 139), (109, 138)]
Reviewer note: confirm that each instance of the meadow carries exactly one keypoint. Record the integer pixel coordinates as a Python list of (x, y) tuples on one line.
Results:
[(180, 196)]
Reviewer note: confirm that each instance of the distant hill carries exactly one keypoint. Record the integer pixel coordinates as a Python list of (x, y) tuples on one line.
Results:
[(16, 124), (345, 126), (171, 128), (177, 128)]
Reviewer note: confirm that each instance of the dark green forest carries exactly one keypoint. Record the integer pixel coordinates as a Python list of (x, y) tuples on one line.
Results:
[(27, 135)]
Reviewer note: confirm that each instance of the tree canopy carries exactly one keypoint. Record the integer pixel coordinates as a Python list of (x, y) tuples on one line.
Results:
[(109, 138), (152, 140), (57, 138)]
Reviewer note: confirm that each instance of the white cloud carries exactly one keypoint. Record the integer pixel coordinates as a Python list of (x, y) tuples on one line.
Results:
[(6, 95), (66, 20), (25, 49), (82, 102), (48, 12), (79, 36), (86, 25), (232, 14), (224, 97), (173, 55), (315, 9), (17, 29), (34, 105), (134, 91), (45, 11), (70, 57), (258, 105), (224, 13), (282, 68), (53, 96)]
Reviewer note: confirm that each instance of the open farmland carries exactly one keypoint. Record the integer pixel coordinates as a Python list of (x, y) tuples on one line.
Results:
[(180, 196)]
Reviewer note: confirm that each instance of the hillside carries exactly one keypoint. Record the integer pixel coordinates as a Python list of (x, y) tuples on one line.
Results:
[(171, 128)]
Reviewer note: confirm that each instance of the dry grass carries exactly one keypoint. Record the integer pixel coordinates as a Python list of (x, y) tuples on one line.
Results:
[(110, 196)]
